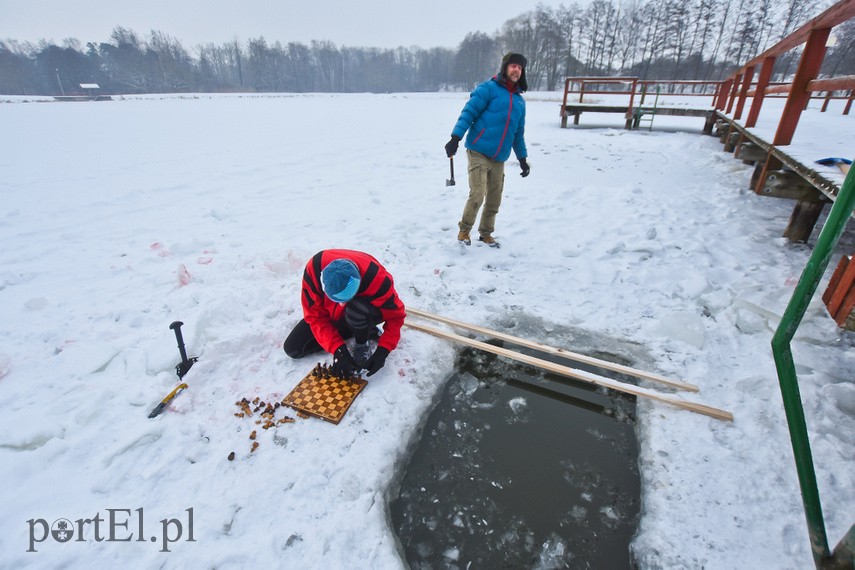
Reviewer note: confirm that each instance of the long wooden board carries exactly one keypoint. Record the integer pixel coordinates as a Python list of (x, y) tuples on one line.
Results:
[(605, 364), (577, 374)]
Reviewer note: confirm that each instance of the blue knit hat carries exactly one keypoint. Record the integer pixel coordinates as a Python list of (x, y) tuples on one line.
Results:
[(340, 280)]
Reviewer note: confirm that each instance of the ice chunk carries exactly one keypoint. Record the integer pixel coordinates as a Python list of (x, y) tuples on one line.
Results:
[(517, 405), (685, 327), (749, 322), (553, 553), (610, 516), (468, 383), (843, 396)]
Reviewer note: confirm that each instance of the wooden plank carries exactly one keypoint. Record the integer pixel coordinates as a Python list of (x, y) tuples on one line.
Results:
[(750, 151), (790, 185), (681, 112), (578, 374), (575, 108), (605, 364), (660, 110)]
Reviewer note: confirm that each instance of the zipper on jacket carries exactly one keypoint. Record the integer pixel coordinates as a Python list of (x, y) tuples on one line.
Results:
[(507, 122)]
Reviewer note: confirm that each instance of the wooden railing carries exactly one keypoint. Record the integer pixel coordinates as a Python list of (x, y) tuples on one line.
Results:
[(813, 35), (633, 86)]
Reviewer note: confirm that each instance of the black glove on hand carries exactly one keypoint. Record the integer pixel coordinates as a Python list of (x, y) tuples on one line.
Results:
[(377, 360), (343, 363), (525, 167), (451, 146)]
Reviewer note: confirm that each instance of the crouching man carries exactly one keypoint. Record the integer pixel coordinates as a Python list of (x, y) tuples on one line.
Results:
[(346, 294)]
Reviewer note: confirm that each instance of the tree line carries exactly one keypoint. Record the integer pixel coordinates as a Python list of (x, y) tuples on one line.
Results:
[(650, 39)]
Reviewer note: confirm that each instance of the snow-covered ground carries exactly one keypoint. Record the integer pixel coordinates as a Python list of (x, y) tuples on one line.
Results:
[(121, 217)]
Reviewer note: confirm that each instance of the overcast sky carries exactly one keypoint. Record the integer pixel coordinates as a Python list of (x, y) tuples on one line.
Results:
[(362, 23)]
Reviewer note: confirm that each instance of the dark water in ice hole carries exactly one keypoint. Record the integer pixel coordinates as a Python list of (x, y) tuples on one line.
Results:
[(521, 468)]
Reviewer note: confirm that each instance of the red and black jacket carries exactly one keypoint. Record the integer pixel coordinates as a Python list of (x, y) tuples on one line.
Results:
[(376, 286)]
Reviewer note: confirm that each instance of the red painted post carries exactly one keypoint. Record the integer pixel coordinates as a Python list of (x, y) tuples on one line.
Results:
[(731, 98), (564, 103), (721, 98), (760, 90), (631, 101), (849, 102), (811, 61), (743, 93), (828, 95)]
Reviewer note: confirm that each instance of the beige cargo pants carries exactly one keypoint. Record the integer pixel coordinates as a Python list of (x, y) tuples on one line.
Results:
[(486, 182)]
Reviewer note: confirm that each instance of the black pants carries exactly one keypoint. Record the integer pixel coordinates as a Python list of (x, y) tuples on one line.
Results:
[(360, 321)]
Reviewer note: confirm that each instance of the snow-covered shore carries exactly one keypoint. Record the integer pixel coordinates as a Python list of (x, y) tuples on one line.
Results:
[(121, 217)]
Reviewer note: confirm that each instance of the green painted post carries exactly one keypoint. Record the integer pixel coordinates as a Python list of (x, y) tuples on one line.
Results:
[(808, 283)]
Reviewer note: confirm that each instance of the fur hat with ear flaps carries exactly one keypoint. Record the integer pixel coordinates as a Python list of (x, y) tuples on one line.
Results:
[(520, 60)]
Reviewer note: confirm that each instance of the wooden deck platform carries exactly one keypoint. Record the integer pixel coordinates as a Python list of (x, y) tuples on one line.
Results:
[(739, 147), (793, 179), (633, 114), (67, 98)]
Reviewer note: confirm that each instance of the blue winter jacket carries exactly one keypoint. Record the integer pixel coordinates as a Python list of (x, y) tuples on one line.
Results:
[(495, 119)]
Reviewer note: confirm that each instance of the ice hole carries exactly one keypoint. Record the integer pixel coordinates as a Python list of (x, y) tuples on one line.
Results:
[(517, 467)]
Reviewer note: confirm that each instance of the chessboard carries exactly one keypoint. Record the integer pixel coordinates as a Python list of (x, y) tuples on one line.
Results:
[(324, 395)]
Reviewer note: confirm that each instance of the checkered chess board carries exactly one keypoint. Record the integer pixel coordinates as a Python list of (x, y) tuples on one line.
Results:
[(324, 395)]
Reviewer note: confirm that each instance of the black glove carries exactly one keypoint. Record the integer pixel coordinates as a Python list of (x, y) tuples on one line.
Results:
[(377, 360), (451, 146), (525, 167), (343, 363)]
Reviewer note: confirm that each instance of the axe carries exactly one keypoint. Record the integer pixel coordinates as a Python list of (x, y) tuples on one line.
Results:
[(451, 164), (184, 366), (181, 369)]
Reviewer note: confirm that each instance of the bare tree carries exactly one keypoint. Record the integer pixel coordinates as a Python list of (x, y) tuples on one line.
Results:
[(627, 35), (124, 61), (724, 11), (693, 39), (677, 36), (433, 68), (841, 56), (172, 65), (551, 46), (476, 59), (655, 13)]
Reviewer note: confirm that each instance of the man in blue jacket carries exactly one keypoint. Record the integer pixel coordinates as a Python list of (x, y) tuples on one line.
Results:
[(495, 119)]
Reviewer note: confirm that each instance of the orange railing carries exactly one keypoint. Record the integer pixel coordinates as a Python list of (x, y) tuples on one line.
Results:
[(805, 83), (633, 86), (731, 95)]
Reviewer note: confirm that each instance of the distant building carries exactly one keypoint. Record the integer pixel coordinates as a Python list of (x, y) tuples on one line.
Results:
[(91, 92)]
